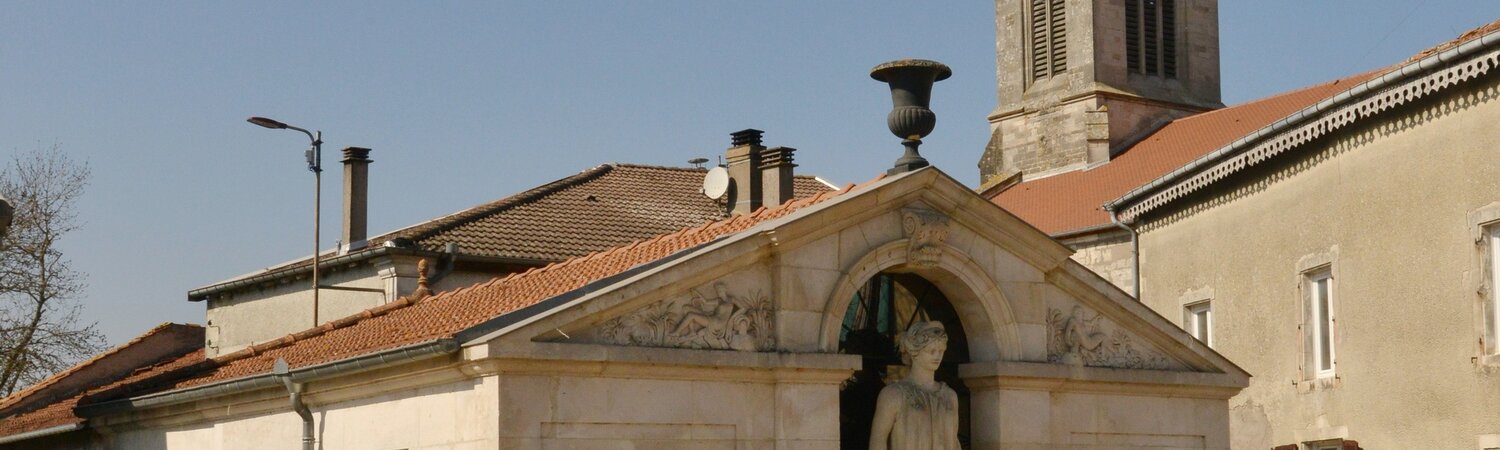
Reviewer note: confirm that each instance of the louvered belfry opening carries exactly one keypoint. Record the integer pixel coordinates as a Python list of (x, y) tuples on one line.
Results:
[(1151, 37), (1049, 32)]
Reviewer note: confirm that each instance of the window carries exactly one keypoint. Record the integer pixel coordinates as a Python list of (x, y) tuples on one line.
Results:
[(1049, 32), (1199, 322), (1320, 323), (1492, 302), (1151, 37)]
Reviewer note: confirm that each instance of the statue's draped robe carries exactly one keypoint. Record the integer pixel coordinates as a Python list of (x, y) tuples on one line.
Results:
[(927, 419)]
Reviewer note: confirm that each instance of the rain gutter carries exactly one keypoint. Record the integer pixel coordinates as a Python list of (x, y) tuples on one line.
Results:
[(400, 355), (60, 429)]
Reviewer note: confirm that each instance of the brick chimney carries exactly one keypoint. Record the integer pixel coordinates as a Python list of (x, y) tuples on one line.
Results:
[(744, 165), (356, 197), (776, 175)]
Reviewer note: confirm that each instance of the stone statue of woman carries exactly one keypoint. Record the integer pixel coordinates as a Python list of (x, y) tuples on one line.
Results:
[(919, 412)]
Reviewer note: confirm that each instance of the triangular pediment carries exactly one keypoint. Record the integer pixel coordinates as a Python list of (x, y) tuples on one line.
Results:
[(784, 285)]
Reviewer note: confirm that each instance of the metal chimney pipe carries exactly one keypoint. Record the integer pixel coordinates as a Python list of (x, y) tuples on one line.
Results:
[(911, 90), (356, 198)]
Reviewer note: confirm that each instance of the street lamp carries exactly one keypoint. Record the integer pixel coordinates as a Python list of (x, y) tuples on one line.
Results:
[(315, 165)]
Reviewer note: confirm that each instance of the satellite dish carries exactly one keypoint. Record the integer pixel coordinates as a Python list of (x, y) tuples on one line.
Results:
[(716, 183)]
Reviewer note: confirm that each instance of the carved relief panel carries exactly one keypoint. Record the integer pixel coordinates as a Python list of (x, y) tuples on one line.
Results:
[(727, 314), (925, 232), (1077, 335)]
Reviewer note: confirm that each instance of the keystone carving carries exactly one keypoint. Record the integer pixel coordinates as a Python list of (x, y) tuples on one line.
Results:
[(720, 321), (1078, 339), (925, 232)]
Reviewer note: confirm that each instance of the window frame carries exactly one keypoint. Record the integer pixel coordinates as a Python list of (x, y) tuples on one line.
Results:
[(1190, 320), (1491, 301), (1484, 224), (1321, 322)]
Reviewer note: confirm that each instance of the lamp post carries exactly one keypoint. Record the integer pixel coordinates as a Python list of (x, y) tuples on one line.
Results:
[(315, 165)]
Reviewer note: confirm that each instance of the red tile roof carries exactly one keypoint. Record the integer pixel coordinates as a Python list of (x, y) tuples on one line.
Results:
[(411, 321), (1072, 201), (599, 208), (59, 411)]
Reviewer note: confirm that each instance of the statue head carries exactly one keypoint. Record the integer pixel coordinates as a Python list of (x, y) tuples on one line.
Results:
[(923, 344)]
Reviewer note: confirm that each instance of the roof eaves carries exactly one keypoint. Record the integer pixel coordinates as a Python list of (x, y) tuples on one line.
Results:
[(1132, 200), (202, 293)]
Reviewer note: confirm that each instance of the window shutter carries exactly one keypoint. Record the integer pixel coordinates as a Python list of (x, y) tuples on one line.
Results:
[(1285, 447), (1133, 35), (1350, 445), (1303, 353), (1168, 38), (1039, 49), (1057, 33)]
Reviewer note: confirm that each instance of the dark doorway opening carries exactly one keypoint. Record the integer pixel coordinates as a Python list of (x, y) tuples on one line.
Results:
[(883, 308)]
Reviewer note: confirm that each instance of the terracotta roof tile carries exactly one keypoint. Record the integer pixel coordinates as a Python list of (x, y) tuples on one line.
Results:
[(1072, 201), (407, 322), (60, 412), (598, 208)]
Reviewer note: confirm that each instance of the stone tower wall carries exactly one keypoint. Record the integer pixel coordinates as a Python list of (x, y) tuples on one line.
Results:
[(1082, 115)]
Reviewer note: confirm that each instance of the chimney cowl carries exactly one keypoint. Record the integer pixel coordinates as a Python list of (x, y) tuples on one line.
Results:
[(356, 154), (748, 136)]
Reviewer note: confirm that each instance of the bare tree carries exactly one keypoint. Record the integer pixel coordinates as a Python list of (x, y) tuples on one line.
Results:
[(40, 331)]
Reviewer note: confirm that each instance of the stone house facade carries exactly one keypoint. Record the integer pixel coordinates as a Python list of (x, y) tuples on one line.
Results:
[(1347, 259), (1335, 240)]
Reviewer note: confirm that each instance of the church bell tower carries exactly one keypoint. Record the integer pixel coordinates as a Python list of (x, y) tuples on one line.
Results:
[(1080, 80)]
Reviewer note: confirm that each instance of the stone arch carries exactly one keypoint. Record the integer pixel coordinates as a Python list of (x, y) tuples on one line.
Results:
[(988, 321)]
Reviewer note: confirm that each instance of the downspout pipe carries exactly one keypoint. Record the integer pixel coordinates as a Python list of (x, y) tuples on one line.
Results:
[(294, 391), (1135, 253)]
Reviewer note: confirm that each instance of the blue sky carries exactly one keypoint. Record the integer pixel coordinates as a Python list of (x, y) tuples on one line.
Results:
[(468, 102)]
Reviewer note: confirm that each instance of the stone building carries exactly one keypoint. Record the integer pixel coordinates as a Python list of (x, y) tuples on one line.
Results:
[(596, 209), (1335, 240), (770, 313)]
